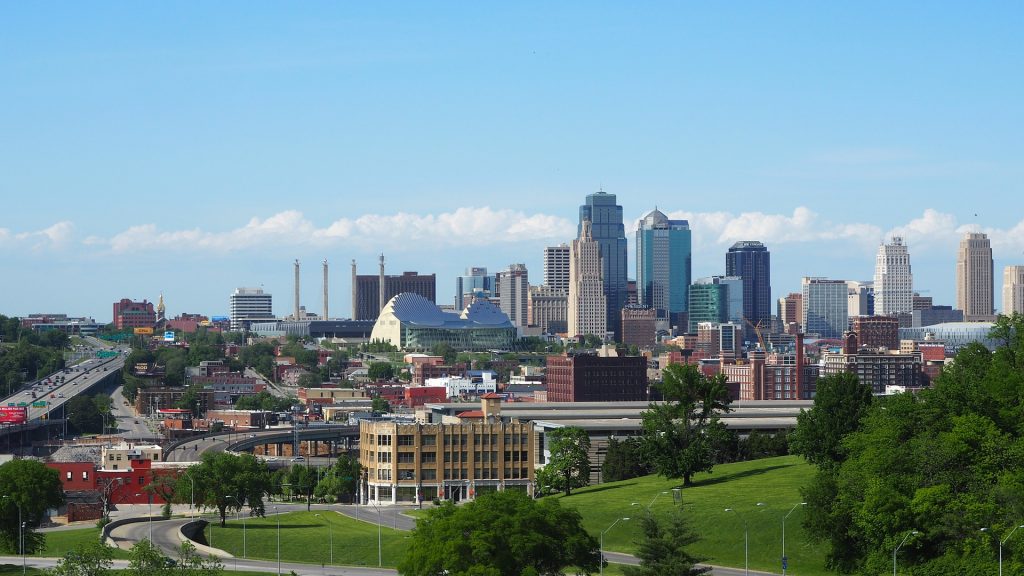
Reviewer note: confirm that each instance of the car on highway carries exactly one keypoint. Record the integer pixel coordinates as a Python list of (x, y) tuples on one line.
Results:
[(298, 459)]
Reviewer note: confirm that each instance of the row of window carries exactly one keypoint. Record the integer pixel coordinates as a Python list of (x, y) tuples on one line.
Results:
[(449, 439)]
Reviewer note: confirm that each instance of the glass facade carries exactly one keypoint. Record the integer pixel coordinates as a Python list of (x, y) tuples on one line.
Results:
[(605, 216), (663, 264)]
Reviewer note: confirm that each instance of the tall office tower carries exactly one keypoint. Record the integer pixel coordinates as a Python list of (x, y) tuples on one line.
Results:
[(716, 299), (249, 305), (476, 283), (588, 306), (369, 290), (605, 218), (663, 265), (556, 268), (825, 306), (1013, 290), (751, 261), (894, 284), (974, 285), (548, 309), (860, 298), (791, 310), (514, 290)]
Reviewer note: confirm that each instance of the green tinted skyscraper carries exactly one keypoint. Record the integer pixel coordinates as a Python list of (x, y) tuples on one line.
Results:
[(663, 263)]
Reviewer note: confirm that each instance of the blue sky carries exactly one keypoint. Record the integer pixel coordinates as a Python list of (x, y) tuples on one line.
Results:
[(192, 148)]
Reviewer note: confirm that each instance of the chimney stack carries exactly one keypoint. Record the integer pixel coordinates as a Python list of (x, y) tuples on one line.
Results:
[(355, 291), (381, 284), (296, 289), (325, 290)]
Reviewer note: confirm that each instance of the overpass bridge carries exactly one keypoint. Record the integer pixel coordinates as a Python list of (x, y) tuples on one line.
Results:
[(326, 440)]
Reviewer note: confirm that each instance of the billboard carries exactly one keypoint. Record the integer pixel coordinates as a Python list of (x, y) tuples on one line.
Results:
[(169, 336), (146, 331), (13, 414)]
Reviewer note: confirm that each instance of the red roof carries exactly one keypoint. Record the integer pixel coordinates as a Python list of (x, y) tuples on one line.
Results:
[(491, 396), (470, 414)]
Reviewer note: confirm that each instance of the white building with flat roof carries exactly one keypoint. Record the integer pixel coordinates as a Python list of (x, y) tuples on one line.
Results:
[(250, 305)]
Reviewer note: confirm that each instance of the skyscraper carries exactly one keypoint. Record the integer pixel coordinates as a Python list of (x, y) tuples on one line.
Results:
[(751, 261), (716, 299), (894, 283), (587, 302), (974, 283), (556, 268), (791, 310), (605, 220), (663, 265), (249, 305), (825, 307), (513, 290), (1013, 290), (476, 283)]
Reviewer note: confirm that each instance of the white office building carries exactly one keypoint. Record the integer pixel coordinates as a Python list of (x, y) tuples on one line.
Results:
[(250, 305), (556, 268), (587, 301), (825, 307), (1013, 290), (894, 283), (513, 294)]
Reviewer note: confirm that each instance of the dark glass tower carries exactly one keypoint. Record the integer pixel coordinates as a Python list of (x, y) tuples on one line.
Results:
[(606, 226), (751, 261)]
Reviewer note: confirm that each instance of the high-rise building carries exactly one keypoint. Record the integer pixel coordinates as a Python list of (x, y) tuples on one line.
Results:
[(587, 300), (130, 314), (586, 378), (371, 291), (513, 294), (1013, 290), (250, 305), (894, 283), (548, 309), (556, 268), (825, 306), (476, 283), (974, 282), (791, 310), (751, 261), (877, 331), (639, 326), (715, 299), (663, 265), (605, 220), (860, 298)]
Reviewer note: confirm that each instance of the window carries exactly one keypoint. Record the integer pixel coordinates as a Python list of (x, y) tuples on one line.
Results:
[(406, 440), (142, 480), (383, 474), (428, 457), (85, 475), (406, 457), (384, 439), (69, 475), (429, 440), (428, 474), (384, 457)]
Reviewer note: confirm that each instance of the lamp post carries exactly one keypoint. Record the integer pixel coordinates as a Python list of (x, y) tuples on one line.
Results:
[(746, 539), (237, 516), (21, 534), (150, 512), (192, 505), (656, 496), (380, 561), (330, 533), (785, 561), (897, 549), (278, 515), (1003, 541), (617, 520)]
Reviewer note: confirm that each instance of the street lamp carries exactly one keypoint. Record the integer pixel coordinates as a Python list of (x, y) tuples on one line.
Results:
[(1003, 541), (278, 515), (237, 515), (655, 498), (897, 549), (192, 505), (380, 561), (21, 534), (785, 561), (746, 539), (330, 532), (617, 520)]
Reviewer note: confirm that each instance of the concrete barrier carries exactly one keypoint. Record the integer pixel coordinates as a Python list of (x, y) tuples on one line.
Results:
[(105, 532), (188, 532)]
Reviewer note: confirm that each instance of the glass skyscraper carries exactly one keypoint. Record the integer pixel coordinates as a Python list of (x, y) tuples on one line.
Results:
[(751, 261), (663, 263), (605, 217)]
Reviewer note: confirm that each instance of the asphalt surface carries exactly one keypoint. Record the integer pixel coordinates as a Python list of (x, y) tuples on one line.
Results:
[(129, 425)]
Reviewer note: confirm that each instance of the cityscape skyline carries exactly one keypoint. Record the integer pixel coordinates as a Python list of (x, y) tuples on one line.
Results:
[(207, 147)]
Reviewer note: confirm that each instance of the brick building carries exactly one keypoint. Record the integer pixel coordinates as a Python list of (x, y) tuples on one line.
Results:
[(130, 314), (586, 378), (877, 331), (639, 326)]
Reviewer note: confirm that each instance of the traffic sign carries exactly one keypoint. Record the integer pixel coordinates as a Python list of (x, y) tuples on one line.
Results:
[(41, 404), (785, 563)]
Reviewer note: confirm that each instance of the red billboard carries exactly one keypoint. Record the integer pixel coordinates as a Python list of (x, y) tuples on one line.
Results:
[(13, 414)]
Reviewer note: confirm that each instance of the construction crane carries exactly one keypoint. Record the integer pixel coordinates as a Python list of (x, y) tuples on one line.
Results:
[(757, 330)]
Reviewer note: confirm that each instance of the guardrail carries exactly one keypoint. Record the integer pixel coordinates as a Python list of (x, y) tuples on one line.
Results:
[(189, 530)]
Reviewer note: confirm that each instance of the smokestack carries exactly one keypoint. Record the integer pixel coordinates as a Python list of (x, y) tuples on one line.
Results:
[(355, 291), (325, 289), (381, 284), (798, 394), (296, 289)]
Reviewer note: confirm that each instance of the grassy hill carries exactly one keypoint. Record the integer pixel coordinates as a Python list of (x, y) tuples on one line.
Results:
[(775, 482)]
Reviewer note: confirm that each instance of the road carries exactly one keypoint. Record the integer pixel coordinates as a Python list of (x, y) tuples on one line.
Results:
[(56, 393), (130, 426)]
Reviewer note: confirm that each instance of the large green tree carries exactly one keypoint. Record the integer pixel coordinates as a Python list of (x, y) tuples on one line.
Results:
[(341, 481), (840, 401), (226, 482), (682, 435), (27, 490), (624, 460), (569, 465), (92, 559), (662, 549), (944, 462), (380, 371), (504, 533)]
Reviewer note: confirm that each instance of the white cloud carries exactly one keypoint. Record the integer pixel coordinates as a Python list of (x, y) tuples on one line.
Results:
[(480, 226), (53, 237)]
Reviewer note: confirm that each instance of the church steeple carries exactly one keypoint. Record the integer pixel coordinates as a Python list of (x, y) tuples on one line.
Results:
[(161, 310)]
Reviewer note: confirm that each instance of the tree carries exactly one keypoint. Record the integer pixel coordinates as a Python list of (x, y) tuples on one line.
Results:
[(570, 458), (303, 481), (624, 460), (445, 351), (592, 341), (662, 548), (341, 481), (226, 481), (380, 371), (500, 533), (380, 406), (27, 489), (145, 559), (310, 380), (683, 434), (84, 415), (92, 559), (839, 404)]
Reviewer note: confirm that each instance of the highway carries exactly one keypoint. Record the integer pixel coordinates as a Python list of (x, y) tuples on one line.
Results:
[(128, 425), (59, 387)]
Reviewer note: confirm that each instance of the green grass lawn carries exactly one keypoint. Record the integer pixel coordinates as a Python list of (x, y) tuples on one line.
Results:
[(61, 542), (305, 538), (772, 481)]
